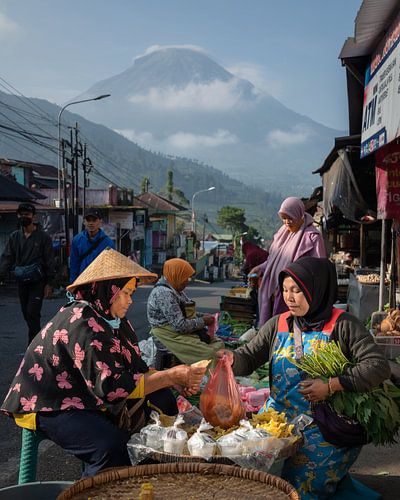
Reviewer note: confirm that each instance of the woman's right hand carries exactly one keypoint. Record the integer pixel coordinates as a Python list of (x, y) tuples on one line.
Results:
[(224, 352), (187, 376), (255, 270), (208, 319)]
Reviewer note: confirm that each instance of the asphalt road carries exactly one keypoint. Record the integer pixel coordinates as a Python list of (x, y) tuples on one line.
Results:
[(378, 468)]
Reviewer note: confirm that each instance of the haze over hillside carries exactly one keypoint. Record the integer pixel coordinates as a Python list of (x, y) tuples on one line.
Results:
[(179, 101), (31, 135)]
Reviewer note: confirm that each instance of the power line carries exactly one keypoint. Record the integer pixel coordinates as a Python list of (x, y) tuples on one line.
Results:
[(29, 103), (27, 132), (16, 141), (101, 156)]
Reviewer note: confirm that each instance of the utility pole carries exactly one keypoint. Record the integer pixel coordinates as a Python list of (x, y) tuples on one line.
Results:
[(77, 153), (205, 220), (64, 143), (87, 168)]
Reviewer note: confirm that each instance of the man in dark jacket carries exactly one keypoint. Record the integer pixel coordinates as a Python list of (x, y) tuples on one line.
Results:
[(29, 253), (88, 244)]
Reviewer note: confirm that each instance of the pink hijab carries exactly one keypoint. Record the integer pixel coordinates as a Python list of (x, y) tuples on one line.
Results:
[(286, 248)]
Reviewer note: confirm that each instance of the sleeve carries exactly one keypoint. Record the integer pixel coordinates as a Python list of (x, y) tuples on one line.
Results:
[(7, 260), (103, 364), (74, 261), (169, 310), (261, 267), (48, 260), (318, 245), (110, 243), (371, 368), (257, 352)]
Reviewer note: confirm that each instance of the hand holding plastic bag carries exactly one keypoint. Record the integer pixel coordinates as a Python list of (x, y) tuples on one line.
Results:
[(220, 402)]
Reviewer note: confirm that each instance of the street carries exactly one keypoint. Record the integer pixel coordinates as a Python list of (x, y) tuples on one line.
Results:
[(376, 467)]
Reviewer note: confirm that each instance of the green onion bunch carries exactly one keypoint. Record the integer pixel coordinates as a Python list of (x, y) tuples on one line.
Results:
[(377, 410)]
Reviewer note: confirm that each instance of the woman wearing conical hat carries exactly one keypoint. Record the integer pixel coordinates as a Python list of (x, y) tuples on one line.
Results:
[(82, 381)]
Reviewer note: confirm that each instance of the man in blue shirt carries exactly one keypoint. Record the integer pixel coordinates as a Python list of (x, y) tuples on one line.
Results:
[(88, 244)]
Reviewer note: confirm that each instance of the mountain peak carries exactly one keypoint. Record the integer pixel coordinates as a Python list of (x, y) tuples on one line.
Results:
[(167, 66)]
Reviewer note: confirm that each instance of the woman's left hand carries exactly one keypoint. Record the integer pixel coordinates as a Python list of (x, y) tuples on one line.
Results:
[(314, 390)]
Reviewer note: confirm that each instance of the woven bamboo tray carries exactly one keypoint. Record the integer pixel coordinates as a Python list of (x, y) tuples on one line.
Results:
[(182, 481), (163, 457)]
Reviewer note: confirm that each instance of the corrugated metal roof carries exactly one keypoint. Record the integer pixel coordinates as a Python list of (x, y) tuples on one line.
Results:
[(10, 190), (373, 19), (158, 203)]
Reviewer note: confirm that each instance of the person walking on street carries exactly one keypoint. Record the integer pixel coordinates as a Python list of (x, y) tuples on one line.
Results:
[(29, 254), (88, 244)]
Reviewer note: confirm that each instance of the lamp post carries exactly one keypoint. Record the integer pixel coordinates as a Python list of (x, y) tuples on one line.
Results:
[(193, 212), (103, 96)]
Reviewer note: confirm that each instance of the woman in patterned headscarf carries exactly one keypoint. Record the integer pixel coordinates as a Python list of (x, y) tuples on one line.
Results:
[(83, 372), (173, 319)]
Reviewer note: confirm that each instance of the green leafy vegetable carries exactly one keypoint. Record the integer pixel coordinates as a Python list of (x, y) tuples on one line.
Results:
[(378, 410)]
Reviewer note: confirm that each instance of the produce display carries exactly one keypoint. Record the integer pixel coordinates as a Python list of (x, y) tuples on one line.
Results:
[(266, 432), (378, 411), (368, 279), (390, 326), (273, 422)]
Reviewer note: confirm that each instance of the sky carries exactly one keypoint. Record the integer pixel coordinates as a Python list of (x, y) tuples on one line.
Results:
[(57, 49)]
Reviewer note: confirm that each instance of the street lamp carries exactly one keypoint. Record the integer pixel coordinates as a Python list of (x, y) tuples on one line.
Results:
[(193, 212), (103, 96)]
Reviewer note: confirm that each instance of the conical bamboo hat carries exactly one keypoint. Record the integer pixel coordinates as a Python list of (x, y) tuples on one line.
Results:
[(110, 264)]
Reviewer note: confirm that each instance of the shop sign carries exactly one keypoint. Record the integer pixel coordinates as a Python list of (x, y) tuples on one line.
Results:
[(124, 219), (388, 182), (381, 117)]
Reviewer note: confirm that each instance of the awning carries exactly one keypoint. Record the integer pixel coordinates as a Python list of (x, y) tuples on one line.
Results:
[(341, 192), (344, 142), (373, 19)]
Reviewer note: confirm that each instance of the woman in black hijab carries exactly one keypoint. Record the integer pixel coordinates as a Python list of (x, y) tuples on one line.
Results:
[(309, 289)]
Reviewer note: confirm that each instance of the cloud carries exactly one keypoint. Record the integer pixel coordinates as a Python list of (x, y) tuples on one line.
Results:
[(257, 75), (298, 134), (9, 29), (183, 141), (187, 140), (213, 96), (142, 138), (156, 48)]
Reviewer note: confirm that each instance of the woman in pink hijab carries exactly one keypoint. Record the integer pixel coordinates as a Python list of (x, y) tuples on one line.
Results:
[(296, 238)]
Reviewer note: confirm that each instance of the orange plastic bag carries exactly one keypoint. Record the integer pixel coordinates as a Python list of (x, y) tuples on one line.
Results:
[(220, 401)]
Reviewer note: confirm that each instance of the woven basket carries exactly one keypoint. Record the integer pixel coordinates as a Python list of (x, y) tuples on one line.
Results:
[(182, 481), (162, 457)]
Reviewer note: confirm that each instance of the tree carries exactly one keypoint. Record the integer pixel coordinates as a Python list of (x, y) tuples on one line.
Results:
[(144, 187), (232, 218), (170, 185), (253, 235), (171, 192)]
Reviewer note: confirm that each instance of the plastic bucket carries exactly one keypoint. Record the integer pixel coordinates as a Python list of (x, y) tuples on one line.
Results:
[(39, 490)]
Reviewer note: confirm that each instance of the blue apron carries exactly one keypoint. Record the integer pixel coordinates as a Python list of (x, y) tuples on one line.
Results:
[(318, 466)]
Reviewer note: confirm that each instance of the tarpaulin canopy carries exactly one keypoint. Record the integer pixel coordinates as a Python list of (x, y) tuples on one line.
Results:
[(340, 191)]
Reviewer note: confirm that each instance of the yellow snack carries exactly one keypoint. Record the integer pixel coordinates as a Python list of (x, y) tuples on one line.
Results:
[(201, 364)]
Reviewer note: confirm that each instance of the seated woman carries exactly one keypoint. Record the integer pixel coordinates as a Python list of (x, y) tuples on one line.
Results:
[(83, 372), (309, 288), (172, 317)]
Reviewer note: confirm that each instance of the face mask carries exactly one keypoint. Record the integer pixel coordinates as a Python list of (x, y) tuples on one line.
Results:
[(114, 323), (25, 221)]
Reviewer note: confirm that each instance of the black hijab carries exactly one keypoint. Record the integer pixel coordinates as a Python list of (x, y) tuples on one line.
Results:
[(317, 279), (101, 294)]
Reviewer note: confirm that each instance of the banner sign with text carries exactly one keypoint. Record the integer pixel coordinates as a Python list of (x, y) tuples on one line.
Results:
[(381, 117), (388, 182)]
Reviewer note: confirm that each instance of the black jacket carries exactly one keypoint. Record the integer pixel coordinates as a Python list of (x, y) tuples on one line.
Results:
[(21, 251)]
